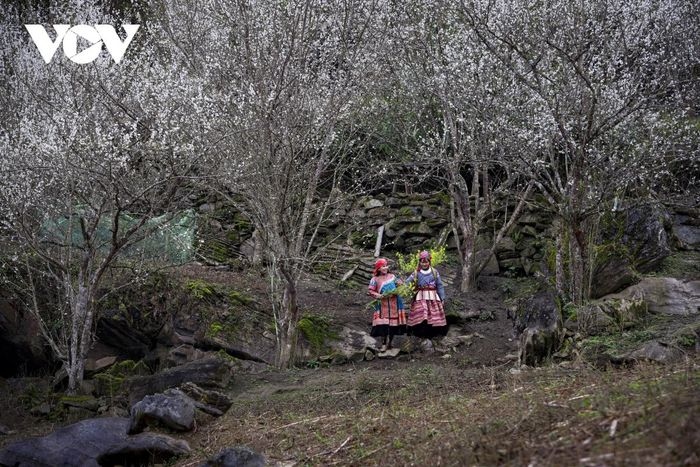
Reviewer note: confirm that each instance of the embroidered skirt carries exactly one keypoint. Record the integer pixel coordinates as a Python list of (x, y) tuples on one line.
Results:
[(388, 319), (427, 315)]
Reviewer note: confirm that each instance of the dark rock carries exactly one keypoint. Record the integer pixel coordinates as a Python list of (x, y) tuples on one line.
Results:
[(688, 236), (121, 334), (183, 354), (82, 402), (209, 372), (529, 230), (238, 456), (21, 345), (244, 349), (538, 323), (654, 351), (512, 264), (209, 397), (491, 268), (635, 242), (174, 409), (43, 409), (505, 245), (686, 227), (92, 443)]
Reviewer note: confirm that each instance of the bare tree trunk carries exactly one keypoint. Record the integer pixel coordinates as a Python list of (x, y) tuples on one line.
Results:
[(257, 257), (559, 261), (288, 328), (468, 283), (575, 267), (76, 362)]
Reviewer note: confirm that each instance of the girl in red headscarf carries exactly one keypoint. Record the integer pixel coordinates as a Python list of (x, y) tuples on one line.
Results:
[(389, 318), (427, 315)]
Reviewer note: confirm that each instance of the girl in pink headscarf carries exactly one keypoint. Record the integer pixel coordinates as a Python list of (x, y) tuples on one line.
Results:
[(427, 315), (389, 318)]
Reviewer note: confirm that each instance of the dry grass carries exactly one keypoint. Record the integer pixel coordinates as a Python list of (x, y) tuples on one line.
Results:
[(444, 413)]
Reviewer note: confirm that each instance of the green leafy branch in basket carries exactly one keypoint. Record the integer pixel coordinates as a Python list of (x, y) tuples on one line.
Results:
[(409, 263)]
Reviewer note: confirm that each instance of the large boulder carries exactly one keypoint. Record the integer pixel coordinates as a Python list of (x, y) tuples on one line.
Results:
[(119, 333), (21, 345), (634, 241), (686, 227), (537, 321), (654, 351), (173, 409), (664, 295), (208, 400), (209, 372), (352, 344), (92, 443)]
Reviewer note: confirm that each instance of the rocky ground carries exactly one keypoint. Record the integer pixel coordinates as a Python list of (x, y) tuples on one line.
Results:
[(465, 403)]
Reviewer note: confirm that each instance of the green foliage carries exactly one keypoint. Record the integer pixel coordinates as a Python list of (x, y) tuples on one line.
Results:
[(570, 311), (215, 249), (518, 288), (550, 256), (602, 343), (110, 382), (617, 343), (405, 291), (240, 298), (316, 329), (687, 336), (200, 289), (215, 328), (406, 211), (516, 235), (487, 315), (362, 239), (606, 251), (681, 265), (627, 313), (32, 396), (409, 263)]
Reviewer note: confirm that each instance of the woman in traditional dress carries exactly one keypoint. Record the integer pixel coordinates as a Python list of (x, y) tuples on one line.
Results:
[(427, 316), (389, 318)]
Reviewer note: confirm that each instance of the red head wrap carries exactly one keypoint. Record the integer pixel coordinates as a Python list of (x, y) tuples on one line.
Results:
[(380, 263)]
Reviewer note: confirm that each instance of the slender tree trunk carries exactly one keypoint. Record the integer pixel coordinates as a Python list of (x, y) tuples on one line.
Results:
[(559, 261), (468, 283), (575, 266), (288, 328), (78, 348)]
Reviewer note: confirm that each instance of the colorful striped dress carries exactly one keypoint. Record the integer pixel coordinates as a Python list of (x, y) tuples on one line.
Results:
[(427, 315), (389, 318)]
